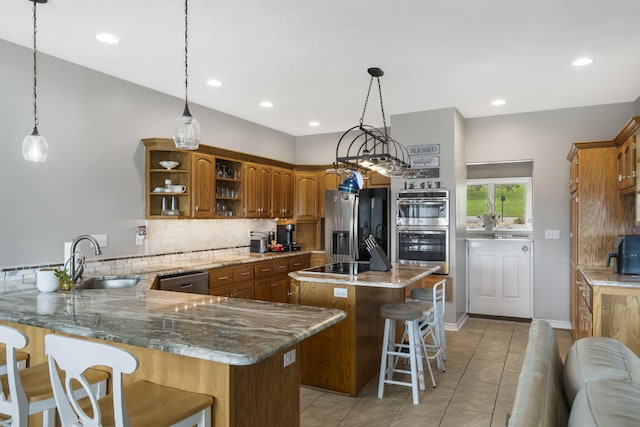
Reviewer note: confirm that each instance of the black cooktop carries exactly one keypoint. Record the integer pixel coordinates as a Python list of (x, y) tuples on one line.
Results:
[(351, 268)]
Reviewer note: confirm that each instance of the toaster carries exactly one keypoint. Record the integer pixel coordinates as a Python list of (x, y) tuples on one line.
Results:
[(258, 246), (627, 255)]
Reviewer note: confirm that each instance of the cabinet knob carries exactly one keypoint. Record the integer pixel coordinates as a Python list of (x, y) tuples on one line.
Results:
[(196, 208), (525, 248)]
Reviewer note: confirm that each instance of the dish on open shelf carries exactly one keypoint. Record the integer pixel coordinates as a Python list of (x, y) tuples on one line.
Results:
[(168, 164)]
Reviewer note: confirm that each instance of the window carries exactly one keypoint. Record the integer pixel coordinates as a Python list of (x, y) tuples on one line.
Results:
[(500, 203)]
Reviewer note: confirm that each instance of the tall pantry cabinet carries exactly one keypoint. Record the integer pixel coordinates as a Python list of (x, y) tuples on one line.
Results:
[(598, 215)]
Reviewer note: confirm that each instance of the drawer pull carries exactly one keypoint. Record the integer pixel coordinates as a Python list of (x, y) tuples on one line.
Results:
[(223, 277), (264, 270), (245, 273)]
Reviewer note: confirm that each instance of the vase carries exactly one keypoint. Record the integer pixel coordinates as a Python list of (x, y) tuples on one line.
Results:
[(46, 280)]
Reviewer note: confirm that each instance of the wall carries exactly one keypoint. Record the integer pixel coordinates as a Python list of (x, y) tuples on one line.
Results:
[(93, 180), (545, 137), (637, 106)]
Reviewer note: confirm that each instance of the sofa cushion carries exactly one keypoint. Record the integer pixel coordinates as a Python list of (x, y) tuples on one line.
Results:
[(606, 404), (596, 359), (539, 397)]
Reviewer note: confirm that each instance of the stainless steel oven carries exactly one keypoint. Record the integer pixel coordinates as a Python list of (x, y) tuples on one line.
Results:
[(422, 207), (424, 245)]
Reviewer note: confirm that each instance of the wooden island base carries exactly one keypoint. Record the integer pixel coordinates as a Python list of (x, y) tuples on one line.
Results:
[(263, 394)]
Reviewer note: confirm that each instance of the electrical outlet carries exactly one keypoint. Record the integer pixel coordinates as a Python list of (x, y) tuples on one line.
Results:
[(552, 234), (101, 239), (340, 292), (289, 357)]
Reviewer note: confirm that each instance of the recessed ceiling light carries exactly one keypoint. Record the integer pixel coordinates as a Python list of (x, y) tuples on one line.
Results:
[(107, 38), (214, 82), (314, 123), (498, 102), (581, 62), (266, 104)]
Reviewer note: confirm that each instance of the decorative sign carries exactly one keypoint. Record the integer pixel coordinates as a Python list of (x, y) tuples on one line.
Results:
[(424, 156)]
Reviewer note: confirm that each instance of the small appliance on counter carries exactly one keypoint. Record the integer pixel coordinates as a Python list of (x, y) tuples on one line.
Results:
[(627, 255), (285, 241), (258, 243)]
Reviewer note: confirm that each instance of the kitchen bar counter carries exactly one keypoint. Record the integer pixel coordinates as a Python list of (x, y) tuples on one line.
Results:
[(346, 357), (242, 352)]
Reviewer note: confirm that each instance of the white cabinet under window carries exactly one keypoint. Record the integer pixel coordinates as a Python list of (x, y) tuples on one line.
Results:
[(499, 277)]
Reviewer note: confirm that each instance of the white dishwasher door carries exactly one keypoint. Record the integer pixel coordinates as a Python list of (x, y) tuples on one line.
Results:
[(499, 277)]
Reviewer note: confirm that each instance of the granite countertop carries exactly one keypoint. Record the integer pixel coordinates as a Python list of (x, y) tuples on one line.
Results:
[(400, 276), (602, 276), (227, 330)]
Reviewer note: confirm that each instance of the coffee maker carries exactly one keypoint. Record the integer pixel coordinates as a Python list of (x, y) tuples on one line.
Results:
[(284, 236)]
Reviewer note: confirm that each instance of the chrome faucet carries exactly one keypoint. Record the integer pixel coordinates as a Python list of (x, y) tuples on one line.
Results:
[(75, 275)]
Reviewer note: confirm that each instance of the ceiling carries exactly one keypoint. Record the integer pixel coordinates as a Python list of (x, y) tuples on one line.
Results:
[(309, 58)]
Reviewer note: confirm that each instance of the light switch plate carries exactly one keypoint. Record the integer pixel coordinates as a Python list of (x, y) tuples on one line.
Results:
[(289, 357), (552, 234), (340, 293)]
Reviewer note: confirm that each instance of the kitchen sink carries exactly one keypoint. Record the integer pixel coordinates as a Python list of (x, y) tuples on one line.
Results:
[(108, 282)]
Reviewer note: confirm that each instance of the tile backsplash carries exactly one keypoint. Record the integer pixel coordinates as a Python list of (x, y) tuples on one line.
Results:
[(169, 241)]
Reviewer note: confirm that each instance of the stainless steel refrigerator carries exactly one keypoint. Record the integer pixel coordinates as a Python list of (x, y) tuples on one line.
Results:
[(350, 218)]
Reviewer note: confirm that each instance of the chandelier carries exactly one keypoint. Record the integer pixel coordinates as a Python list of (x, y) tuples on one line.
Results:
[(367, 148)]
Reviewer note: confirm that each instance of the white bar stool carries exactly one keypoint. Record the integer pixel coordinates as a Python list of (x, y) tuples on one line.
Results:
[(411, 349), (21, 359), (141, 403), (28, 391), (436, 296)]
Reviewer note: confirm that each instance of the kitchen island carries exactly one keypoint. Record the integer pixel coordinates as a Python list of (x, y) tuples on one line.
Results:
[(346, 357), (239, 351)]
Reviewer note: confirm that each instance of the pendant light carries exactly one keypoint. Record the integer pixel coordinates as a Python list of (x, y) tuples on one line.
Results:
[(34, 146), (187, 129)]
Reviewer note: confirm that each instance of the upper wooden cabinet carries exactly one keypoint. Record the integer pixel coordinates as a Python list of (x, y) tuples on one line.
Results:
[(306, 196), (376, 180), (257, 190), (203, 167), (228, 188), (156, 176), (626, 162), (282, 193)]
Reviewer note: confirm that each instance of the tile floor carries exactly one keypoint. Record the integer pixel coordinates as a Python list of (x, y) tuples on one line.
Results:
[(477, 389)]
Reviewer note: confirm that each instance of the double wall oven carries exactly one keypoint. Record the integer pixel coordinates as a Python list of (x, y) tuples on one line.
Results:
[(422, 223)]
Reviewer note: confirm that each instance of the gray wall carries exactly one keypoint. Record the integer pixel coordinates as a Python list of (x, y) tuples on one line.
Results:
[(93, 180), (546, 137), (638, 106)]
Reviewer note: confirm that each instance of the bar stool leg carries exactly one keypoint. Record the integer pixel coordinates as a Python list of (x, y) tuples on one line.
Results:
[(384, 357), (413, 361)]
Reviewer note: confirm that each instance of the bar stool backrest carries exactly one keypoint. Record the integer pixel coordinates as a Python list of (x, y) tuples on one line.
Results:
[(15, 404), (74, 356)]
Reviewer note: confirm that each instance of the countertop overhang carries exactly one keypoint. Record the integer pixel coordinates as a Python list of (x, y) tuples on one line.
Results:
[(603, 276), (227, 330), (400, 276)]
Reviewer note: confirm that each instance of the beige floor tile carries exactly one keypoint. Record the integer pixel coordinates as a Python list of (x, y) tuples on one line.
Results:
[(327, 410), (502, 408), (428, 413), (475, 396), (370, 412), (484, 371), (518, 345), (513, 363), (464, 418), (308, 396), (490, 352), (465, 340), (508, 384)]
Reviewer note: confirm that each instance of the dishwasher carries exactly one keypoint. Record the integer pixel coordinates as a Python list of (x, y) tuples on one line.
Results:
[(195, 282)]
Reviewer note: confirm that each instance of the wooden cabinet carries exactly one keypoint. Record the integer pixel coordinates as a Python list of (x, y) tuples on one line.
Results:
[(257, 190), (203, 167), (584, 320), (228, 188), (299, 262), (155, 152), (573, 175), (598, 215), (376, 180), (282, 191), (272, 280), (306, 196), (626, 165)]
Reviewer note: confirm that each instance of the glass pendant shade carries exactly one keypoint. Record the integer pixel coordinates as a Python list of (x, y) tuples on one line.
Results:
[(35, 147), (186, 134)]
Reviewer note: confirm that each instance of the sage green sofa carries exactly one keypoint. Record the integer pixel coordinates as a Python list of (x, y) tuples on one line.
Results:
[(598, 385)]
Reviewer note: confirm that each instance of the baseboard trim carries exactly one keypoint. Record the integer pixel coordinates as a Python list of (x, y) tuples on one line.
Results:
[(558, 324), (456, 326)]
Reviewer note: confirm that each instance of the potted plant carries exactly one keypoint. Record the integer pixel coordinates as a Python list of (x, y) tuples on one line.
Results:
[(66, 282)]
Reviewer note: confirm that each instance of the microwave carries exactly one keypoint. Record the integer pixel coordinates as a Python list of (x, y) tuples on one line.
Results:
[(422, 208)]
